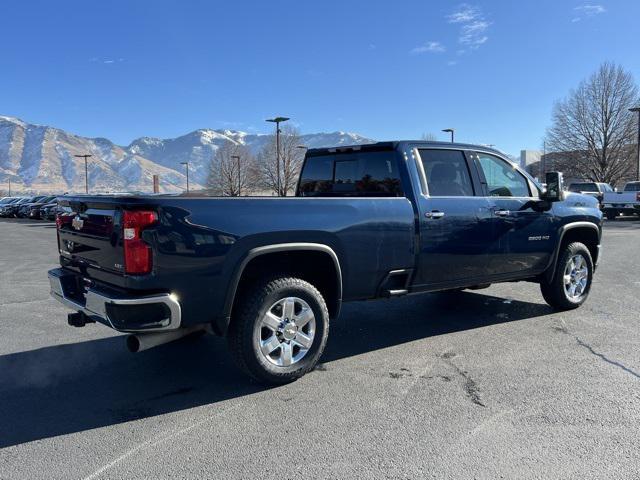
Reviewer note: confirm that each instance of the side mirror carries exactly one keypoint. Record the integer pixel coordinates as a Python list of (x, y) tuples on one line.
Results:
[(555, 187)]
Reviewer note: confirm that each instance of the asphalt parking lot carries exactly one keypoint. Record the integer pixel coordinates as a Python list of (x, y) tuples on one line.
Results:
[(490, 384)]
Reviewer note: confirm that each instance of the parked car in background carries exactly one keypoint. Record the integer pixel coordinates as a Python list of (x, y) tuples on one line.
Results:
[(34, 210), (23, 211), (594, 189), (626, 202), (5, 204), (10, 209), (50, 211)]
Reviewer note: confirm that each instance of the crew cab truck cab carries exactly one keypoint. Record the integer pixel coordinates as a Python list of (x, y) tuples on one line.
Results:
[(369, 221)]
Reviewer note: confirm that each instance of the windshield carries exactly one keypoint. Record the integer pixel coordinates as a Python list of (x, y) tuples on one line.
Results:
[(632, 187), (583, 187)]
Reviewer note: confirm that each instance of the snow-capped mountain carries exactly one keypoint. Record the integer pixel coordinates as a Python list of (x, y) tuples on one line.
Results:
[(200, 146), (41, 158)]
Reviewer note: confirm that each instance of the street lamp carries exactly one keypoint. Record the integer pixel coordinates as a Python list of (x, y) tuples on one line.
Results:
[(237, 158), (450, 130), (86, 174), (186, 164), (278, 121), (637, 110)]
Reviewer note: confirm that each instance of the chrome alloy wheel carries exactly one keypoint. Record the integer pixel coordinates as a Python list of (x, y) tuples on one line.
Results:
[(576, 277), (285, 332)]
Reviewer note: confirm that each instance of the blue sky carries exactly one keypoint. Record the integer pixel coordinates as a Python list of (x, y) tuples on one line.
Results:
[(384, 69)]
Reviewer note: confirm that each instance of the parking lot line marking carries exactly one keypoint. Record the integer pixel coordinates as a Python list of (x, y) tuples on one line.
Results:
[(153, 443), (24, 301)]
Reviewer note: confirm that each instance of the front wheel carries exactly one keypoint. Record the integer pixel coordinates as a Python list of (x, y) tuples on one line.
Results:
[(280, 330), (572, 278), (611, 214)]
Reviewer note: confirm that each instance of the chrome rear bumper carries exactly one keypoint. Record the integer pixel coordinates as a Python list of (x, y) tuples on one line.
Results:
[(95, 303)]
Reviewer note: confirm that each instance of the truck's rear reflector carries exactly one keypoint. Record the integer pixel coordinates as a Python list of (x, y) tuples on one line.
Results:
[(138, 258)]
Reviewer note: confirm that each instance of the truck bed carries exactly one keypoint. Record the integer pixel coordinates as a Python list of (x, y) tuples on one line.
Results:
[(194, 260)]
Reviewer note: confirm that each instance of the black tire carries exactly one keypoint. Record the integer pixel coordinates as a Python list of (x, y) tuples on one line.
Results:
[(610, 214), (554, 292), (245, 347)]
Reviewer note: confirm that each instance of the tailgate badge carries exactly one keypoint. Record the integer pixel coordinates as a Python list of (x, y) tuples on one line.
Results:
[(77, 223)]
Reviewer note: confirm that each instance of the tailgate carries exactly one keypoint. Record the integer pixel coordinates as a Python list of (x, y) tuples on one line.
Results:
[(621, 198), (90, 235)]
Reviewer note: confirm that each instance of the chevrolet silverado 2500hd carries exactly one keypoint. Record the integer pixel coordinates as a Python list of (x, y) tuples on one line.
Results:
[(369, 221)]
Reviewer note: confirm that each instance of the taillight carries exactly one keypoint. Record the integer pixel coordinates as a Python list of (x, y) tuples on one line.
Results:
[(138, 259), (61, 221)]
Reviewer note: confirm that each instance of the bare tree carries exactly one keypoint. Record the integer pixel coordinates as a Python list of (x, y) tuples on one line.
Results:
[(593, 131), (232, 171), (429, 137), (291, 158)]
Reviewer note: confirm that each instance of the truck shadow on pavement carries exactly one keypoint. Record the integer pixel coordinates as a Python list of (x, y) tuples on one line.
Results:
[(70, 388)]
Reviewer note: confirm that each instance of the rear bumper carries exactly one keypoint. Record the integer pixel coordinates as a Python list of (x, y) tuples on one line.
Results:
[(622, 207), (123, 313)]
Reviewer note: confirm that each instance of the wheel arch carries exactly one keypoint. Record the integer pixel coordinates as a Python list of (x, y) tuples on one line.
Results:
[(277, 252), (585, 232)]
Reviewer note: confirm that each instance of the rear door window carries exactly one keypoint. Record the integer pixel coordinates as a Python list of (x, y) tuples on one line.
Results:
[(583, 187), (447, 173)]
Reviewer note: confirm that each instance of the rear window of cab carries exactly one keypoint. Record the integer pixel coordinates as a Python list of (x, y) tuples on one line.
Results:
[(355, 174)]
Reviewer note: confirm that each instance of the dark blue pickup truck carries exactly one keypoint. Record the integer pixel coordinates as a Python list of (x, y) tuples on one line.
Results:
[(369, 221)]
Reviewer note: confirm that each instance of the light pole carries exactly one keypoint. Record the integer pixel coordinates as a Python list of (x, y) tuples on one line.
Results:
[(9, 186), (278, 121), (637, 110), (451, 131), (186, 164), (86, 174), (237, 158)]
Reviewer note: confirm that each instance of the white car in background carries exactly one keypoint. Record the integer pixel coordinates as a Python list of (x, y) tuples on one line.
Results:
[(594, 189), (626, 202)]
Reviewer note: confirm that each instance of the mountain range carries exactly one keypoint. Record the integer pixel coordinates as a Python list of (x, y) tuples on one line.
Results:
[(38, 158)]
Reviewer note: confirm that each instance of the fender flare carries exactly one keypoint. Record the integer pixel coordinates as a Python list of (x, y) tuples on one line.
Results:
[(276, 248), (551, 269)]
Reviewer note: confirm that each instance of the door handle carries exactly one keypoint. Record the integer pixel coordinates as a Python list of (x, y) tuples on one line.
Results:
[(434, 214), (502, 213)]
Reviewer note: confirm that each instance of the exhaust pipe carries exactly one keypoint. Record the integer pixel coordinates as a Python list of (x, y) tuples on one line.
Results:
[(144, 341)]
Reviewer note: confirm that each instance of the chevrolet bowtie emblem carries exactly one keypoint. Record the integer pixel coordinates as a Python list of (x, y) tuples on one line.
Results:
[(77, 223)]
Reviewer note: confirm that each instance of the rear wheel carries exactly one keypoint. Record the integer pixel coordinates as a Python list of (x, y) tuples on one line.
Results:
[(280, 331), (571, 280), (611, 214)]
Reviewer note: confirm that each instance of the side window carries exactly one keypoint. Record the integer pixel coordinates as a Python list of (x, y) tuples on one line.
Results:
[(317, 176), (361, 174), (502, 179), (447, 173)]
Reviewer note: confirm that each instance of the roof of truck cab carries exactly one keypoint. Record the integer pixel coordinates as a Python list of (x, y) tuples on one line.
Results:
[(392, 145)]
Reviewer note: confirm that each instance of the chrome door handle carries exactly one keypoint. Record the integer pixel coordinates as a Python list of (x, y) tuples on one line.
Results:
[(502, 213), (434, 214)]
